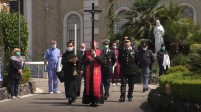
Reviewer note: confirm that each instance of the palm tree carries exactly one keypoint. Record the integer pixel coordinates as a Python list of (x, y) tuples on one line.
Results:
[(178, 29), (144, 12)]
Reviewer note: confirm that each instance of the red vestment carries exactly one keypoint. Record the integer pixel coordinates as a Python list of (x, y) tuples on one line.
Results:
[(96, 76)]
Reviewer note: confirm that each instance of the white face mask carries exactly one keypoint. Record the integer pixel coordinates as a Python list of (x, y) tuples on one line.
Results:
[(114, 47), (82, 49), (144, 49), (54, 46), (69, 49)]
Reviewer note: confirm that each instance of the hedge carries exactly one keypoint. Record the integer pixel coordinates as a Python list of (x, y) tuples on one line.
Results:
[(194, 48), (185, 86), (178, 68)]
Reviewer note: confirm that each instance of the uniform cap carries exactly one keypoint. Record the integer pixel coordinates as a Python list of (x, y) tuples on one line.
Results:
[(127, 40), (106, 42)]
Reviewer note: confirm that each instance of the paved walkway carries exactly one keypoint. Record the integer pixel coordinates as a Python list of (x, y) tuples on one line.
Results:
[(42, 101)]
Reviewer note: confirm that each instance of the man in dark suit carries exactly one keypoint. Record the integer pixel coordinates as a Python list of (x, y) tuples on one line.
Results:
[(107, 66), (81, 52), (127, 60)]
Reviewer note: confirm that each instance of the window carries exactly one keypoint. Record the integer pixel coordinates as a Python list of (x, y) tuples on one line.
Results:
[(71, 21), (188, 12), (121, 21)]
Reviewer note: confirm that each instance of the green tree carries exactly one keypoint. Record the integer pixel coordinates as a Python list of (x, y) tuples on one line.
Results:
[(1, 35), (111, 19), (144, 12), (9, 24)]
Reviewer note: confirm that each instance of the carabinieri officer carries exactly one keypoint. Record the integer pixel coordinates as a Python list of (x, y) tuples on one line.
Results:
[(127, 59)]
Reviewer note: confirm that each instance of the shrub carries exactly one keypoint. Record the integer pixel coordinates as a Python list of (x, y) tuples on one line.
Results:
[(194, 60), (178, 68), (179, 59), (185, 86), (194, 48), (187, 89), (25, 76)]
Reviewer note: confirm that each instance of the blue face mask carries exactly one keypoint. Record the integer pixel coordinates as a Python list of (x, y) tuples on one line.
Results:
[(17, 54), (163, 48)]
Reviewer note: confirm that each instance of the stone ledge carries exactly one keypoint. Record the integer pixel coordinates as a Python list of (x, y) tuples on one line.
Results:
[(165, 103), (24, 89)]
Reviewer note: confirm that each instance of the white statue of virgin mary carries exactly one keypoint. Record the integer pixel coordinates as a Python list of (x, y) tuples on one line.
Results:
[(158, 34)]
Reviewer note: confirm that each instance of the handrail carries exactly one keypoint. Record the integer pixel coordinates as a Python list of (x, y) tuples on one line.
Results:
[(34, 63)]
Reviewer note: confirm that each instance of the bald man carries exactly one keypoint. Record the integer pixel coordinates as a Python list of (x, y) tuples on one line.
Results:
[(81, 53)]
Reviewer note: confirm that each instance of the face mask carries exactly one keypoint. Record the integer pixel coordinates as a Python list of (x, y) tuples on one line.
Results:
[(83, 49), (114, 47), (163, 48), (144, 49), (69, 49), (106, 46), (54, 46), (17, 54)]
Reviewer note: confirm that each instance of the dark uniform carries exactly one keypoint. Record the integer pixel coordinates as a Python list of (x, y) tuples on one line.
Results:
[(146, 59), (107, 69), (127, 60)]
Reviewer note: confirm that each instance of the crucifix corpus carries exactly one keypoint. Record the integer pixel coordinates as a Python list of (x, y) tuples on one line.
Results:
[(93, 11)]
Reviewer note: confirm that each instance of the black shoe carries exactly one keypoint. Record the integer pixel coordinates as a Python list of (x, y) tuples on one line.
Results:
[(91, 104), (73, 100), (94, 104), (70, 101), (146, 89), (143, 90), (130, 99), (122, 100), (105, 98)]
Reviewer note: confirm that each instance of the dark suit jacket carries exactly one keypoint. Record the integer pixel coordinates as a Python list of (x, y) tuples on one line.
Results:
[(81, 55)]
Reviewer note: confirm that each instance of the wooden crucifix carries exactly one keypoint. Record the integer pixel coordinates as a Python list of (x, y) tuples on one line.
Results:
[(93, 11)]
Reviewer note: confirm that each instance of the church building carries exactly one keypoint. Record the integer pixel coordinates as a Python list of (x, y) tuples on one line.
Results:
[(55, 19)]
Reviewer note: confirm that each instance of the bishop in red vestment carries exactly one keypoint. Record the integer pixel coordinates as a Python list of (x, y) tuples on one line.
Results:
[(93, 89)]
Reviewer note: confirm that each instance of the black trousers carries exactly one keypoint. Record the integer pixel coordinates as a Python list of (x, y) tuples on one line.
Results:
[(106, 84), (162, 70), (79, 81), (14, 84), (124, 80)]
